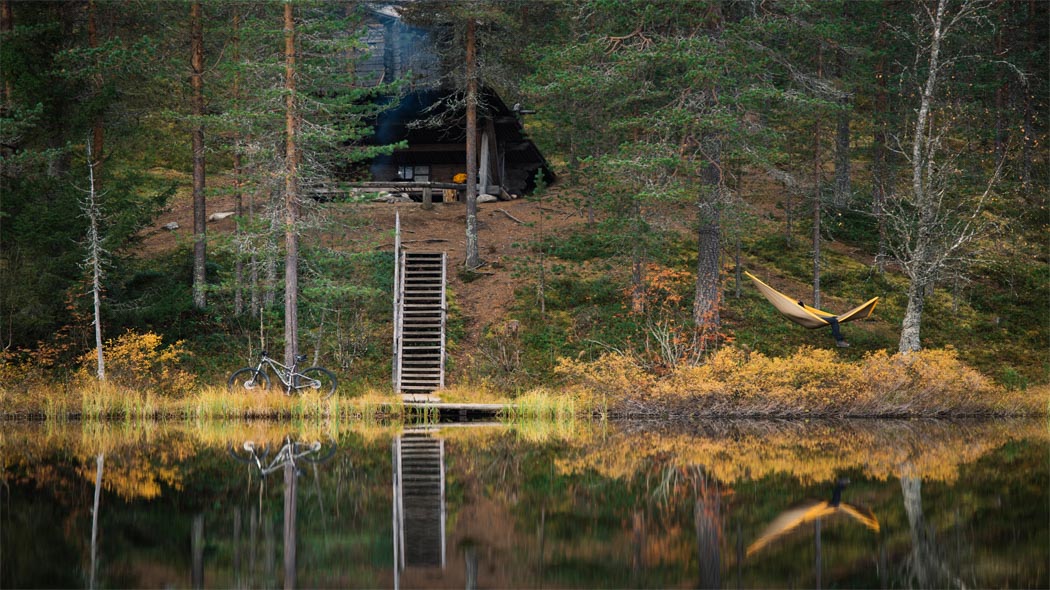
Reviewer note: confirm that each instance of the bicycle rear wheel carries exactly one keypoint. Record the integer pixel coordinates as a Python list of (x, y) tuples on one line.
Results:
[(319, 379), (248, 379), (318, 452)]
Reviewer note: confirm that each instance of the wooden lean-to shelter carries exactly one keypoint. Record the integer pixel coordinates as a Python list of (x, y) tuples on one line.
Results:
[(429, 119)]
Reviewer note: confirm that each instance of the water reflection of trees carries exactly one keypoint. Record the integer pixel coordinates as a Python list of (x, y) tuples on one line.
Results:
[(289, 459), (600, 505), (811, 452)]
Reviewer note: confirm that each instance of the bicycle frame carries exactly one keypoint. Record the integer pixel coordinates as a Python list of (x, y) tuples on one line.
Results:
[(285, 374)]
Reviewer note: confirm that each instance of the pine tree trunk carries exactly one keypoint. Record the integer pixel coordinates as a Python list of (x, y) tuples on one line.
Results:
[(291, 493), (473, 259), (7, 24), (817, 165), (1002, 91), (705, 304), (709, 233), (1028, 145), (238, 174), (199, 206), (270, 255), (291, 194), (879, 154), (843, 187), (843, 183), (707, 521), (638, 260)]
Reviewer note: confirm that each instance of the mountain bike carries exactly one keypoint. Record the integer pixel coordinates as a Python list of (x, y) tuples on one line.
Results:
[(256, 378), (290, 453)]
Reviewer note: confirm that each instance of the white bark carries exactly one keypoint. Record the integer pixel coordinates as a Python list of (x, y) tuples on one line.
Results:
[(100, 461), (94, 260), (929, 233)]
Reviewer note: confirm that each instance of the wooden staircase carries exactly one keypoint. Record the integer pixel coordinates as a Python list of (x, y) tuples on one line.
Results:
[(419, 322)]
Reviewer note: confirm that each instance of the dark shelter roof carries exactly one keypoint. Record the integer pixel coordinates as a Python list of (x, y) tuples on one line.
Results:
[(408, 122)]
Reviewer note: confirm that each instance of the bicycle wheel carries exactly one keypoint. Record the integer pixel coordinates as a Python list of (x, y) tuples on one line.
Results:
[(250, 454), (248, 379), (320, 452), (317, 378)]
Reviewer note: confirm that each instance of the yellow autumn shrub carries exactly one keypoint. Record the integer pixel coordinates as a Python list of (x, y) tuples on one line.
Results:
[(809, 382), (614, 375), (141, 362)]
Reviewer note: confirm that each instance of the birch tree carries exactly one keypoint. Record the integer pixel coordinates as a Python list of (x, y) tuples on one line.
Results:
[(933, 222)]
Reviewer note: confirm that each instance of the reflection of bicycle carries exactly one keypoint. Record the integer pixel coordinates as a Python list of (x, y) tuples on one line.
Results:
[(289, 453), (256, 378)]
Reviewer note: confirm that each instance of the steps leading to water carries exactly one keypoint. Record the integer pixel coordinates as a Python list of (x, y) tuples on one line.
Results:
[(419, 320)]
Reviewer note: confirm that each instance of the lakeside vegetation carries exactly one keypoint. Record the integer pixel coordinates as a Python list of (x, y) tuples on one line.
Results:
[(810, 383), (608, 272)]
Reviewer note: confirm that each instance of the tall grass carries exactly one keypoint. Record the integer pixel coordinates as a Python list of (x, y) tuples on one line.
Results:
[(107, 401)]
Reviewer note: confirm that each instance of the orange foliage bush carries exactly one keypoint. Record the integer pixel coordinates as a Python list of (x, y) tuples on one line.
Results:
[(810, 382), (141, 362), (614, 375)]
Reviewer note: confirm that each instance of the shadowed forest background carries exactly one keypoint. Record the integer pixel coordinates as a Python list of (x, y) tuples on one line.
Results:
[(838, 150)]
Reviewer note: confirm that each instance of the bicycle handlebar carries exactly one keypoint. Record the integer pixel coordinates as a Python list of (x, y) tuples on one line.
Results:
[(299, 358)]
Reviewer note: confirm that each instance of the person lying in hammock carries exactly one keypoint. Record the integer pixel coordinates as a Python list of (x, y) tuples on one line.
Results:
[(811, 317), (840, 341)]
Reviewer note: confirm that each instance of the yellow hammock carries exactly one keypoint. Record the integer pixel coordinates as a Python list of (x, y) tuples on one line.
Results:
[(804, 315)]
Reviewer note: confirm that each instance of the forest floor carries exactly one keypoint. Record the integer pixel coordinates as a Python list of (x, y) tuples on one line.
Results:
[(505, 229)]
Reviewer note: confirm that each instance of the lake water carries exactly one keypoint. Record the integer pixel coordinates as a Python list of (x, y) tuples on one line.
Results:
[(567, 505)]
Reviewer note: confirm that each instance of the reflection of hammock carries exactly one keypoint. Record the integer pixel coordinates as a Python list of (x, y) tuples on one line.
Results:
[(804, 315), (808, 512)]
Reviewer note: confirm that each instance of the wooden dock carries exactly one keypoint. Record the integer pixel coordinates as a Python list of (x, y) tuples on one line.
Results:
[(434, 403)]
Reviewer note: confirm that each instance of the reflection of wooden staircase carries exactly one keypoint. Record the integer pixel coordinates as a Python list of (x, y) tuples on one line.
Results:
[(419, 501), (419, 321)]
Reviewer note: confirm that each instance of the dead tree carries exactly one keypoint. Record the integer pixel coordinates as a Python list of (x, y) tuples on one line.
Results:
[(95, 257)]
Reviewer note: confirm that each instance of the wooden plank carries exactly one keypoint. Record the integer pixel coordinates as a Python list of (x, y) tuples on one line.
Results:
[(444, 263)]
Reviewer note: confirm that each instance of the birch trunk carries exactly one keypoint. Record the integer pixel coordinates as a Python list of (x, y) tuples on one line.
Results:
[(918, 269), (100, 462)]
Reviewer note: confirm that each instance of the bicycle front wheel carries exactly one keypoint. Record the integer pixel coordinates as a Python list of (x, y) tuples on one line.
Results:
[(319, 379), (248, 379)]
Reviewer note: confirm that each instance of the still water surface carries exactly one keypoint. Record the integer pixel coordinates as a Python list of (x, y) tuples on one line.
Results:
[(621, 505)]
